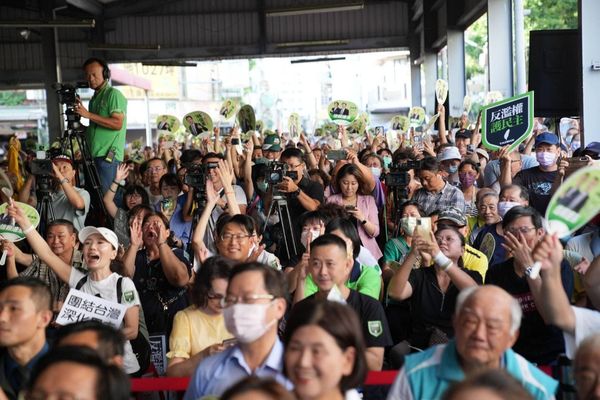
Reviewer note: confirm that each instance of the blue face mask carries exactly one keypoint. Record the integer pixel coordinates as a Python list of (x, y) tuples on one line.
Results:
[(262, 186), (387, 161), (453, 169)]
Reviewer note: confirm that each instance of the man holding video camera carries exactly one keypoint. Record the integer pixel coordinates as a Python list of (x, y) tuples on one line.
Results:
[(302, 193), (108, 121)]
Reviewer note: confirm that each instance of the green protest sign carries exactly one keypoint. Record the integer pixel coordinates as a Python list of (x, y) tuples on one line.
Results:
[(260, 125), (441, 91), (342, 112), (246, 119), (294, 125), (8, 229), (400, 123), (416, 116), (575, 202), (167, 123), (359, 126), (228, 108), (507, 122), (572, 206), (197, 122)]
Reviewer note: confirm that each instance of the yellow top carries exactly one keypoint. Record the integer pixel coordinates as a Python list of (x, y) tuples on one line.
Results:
[(193, 331), (475, 260)]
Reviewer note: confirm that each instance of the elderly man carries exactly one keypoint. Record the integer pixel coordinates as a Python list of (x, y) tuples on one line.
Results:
[(486, 325), (586, 368)]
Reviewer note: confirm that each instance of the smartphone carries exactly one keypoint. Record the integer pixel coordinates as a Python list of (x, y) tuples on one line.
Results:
[(229, 342), (169, 144), (235, 141), (336, 155), (379, 130), (470, 149), (350, 208), (575, 163)]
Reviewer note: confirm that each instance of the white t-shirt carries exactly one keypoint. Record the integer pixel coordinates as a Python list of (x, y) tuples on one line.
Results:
[(107, 290), (587, 323)]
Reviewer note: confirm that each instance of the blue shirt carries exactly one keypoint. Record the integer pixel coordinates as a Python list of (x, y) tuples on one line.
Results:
[(216, 374), (428, 374)]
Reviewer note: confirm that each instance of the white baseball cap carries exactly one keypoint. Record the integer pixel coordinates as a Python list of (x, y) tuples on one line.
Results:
[(449, 153), (106, 233)]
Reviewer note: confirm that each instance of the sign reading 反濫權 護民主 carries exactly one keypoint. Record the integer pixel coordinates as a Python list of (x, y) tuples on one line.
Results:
[(507, 122)]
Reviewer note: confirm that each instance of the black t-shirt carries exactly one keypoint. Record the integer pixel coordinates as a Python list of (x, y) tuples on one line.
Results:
[(537, 342), (372, 318), (312, 189), (156, 292), (430, 308), (539, 185)]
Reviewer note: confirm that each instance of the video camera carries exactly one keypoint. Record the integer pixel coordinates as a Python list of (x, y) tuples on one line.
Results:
[(277, 171), (67, 95), (398, 176), (43, 166), (196, 175)]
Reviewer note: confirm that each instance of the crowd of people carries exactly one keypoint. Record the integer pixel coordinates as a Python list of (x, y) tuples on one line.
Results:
[(286, 269)]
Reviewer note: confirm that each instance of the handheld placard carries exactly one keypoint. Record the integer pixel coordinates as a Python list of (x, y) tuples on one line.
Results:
[(573, 205)]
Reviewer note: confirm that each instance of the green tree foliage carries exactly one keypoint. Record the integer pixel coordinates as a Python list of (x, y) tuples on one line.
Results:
[(12, 98), (551, 14)]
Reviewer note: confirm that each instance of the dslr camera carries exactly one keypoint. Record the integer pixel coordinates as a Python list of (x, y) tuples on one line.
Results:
[(277, 171)]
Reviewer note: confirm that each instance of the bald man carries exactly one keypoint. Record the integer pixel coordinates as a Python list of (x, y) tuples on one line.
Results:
[(486, 325)]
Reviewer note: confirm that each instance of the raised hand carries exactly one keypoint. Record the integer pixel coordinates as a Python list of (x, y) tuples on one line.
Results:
[(122, 172), (519, 249), (135, 232)]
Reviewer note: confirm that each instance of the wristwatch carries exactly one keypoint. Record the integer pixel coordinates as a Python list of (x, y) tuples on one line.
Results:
[(64, 180), (295, 194), (529, 271)]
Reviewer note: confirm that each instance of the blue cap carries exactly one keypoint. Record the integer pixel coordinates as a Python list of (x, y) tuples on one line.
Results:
[(546, 137)]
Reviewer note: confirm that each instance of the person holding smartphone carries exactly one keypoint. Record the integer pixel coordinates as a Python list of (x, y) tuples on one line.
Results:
[(349, 183), (199, 330)]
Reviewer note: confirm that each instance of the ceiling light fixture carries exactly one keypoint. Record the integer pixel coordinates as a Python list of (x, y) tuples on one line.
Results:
[(315, 9)]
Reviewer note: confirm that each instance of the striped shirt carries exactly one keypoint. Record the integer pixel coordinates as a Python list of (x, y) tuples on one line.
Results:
[(449, 196)]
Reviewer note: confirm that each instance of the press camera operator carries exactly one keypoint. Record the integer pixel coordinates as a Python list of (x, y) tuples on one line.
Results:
[(301, 193), (108, 121), (58, 179)]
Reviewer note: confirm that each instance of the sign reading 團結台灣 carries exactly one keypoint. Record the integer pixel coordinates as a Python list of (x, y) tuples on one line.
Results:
[(80, 306)]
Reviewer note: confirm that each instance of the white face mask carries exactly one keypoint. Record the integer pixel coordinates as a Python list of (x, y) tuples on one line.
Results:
[(545, 158), (408, 225), (376, 172), (246, 322), (504, 206), (308, 236)]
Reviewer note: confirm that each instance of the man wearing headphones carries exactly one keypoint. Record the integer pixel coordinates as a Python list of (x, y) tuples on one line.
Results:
[(107, 115)]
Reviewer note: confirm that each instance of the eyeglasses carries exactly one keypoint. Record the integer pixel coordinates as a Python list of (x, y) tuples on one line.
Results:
[(226, 237), (294, 166), (215, 296), (155, 169), (228, 301), (524, 230)]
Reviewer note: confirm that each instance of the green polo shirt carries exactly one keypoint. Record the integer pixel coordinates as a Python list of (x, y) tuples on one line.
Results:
[(105, 102)]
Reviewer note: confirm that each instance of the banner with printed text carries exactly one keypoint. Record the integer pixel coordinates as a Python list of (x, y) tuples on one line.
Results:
[(507, 122)]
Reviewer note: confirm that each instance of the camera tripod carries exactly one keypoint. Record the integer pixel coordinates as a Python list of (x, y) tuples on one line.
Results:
[(44, 203), (97, 212), (280, 204)]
